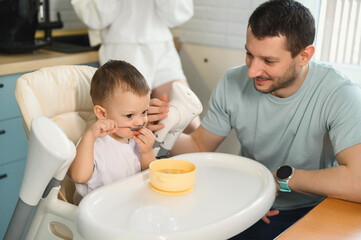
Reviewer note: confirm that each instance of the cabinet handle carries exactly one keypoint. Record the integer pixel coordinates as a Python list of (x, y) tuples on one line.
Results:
[(2, 132), (1, 85), (3, 176)]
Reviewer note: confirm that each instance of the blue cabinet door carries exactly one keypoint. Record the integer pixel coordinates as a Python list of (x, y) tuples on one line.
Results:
[(13, 150), (11, 177), (8, 105), (13, 142)]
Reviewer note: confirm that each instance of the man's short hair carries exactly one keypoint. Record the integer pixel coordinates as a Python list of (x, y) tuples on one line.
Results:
[(114, 74), (284, 18)]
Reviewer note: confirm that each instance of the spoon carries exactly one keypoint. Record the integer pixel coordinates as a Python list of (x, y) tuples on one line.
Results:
[(134, 128)]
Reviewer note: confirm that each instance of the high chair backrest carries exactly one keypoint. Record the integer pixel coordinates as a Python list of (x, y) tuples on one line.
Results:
[(61, 93)]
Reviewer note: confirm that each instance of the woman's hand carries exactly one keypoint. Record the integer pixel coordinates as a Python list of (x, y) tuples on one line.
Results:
[(158, 110)]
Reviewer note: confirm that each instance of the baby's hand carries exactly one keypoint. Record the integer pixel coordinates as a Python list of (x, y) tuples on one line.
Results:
[(103, 127), (145, 140)]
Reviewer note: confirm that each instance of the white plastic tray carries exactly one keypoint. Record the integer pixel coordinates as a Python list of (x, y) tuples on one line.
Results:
[(230, 194)]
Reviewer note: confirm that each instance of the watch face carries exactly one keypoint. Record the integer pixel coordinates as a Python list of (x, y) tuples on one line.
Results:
[(284, 172)]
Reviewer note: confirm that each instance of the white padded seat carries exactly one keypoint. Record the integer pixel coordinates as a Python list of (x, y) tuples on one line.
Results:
[(61, 93)]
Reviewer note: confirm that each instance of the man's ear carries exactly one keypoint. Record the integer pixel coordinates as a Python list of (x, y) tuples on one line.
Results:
[(100, 112), (306, 54)]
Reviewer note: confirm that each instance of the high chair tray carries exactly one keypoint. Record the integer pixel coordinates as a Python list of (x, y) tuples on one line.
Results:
[(230, 194)]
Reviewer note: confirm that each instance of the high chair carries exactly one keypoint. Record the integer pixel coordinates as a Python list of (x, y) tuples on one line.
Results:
[(62, 94)]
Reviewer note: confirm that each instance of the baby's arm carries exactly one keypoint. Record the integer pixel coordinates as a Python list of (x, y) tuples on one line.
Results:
[(145, 141), (82, 167)]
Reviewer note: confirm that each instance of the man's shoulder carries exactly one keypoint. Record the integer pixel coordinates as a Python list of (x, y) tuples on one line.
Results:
[(329, 80), (236, 72), (236, 76), (335, 88), (332, 74)]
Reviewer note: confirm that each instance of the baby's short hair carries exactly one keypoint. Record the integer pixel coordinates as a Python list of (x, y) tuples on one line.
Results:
[(115, 74)]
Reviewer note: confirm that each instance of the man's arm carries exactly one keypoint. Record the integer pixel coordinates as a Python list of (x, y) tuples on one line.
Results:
[(343, 181), (200, 140)]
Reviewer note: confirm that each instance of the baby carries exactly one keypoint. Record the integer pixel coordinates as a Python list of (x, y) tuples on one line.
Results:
[(110, 149)]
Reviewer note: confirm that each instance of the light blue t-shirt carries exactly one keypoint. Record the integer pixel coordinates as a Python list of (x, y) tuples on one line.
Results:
[(305, 130)]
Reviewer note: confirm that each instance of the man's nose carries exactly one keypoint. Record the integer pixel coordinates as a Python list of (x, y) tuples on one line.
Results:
[(254, 69)]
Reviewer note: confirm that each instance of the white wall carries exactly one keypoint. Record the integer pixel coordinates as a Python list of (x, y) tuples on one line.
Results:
[(218, 23)]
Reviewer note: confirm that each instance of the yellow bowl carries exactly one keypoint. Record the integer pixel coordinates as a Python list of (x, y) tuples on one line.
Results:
[(172, 175)]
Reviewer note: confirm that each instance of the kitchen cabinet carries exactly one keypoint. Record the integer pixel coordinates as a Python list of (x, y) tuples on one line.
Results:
[(11, 176), (13, 148)]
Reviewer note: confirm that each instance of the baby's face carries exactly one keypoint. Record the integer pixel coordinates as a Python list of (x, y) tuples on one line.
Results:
[(128, 110)]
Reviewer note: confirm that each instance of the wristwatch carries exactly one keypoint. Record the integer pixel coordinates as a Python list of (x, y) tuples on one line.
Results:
[(284, 174)]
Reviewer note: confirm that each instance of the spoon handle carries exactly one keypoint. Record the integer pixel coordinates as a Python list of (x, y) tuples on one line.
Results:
[(133, 128)]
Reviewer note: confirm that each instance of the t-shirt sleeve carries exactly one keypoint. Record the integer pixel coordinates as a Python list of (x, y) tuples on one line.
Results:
[(344, 117), (217, 119)]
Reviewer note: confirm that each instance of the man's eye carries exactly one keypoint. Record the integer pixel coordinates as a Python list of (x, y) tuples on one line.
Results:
[(269, 62), (129, 115), (144, 112)]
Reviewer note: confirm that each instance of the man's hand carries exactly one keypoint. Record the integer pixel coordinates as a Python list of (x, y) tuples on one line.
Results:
[(270, 213), (157, 111)]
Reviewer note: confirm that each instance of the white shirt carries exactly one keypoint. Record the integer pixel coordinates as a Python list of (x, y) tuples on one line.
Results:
[(113, 161), (133, 21)]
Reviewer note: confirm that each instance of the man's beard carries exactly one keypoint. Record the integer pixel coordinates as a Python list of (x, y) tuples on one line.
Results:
[(282, 82)]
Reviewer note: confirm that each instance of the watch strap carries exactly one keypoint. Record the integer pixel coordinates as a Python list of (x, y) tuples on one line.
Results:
[(284, 186)]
